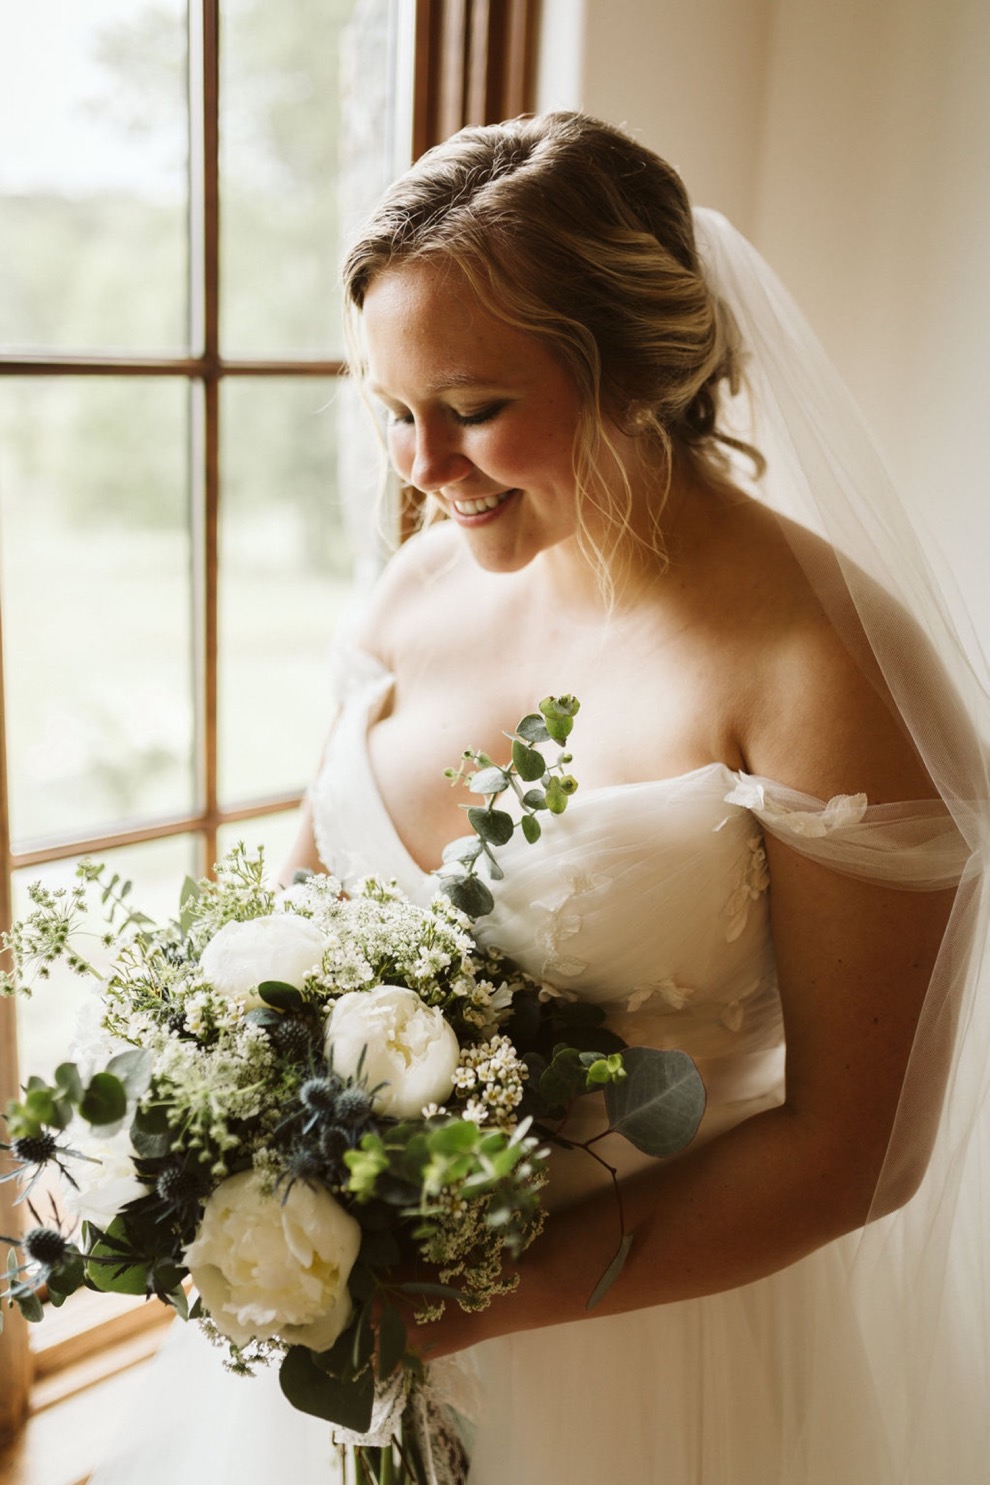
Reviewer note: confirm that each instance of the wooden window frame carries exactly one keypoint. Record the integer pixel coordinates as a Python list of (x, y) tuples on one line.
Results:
[(473, 64)]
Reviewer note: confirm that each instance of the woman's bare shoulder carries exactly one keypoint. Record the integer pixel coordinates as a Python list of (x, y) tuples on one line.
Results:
[(821, 717), (407, 591)]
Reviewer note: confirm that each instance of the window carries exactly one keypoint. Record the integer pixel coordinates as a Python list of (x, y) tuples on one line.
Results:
[(184, 496)]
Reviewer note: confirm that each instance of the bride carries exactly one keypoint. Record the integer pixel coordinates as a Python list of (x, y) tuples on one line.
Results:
[(773, 854)]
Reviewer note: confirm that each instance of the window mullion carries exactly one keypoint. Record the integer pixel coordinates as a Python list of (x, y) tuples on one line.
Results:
[(15, 1356)]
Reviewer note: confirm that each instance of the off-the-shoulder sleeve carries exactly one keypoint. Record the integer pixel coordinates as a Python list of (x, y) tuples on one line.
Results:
[(915, 845), (353, 671)]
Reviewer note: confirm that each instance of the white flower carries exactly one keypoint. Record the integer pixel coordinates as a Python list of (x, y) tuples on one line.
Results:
[(408, 1046), (271, 1267), (105, 1180), (279, 946)]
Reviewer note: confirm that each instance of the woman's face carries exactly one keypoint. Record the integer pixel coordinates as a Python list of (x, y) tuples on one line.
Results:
[(481, 415)]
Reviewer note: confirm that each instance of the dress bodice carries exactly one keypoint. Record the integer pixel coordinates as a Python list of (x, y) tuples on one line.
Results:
[(649, 899)]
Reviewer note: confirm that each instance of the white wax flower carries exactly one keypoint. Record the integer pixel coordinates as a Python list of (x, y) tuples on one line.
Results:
[(280, 946), (275, 1264), (106, 1180), (408, 1047)]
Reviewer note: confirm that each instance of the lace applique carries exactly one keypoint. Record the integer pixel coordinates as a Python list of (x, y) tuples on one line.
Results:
[(673, 995), (841, 811), (753, 879), (732, 1015), (562, 921)]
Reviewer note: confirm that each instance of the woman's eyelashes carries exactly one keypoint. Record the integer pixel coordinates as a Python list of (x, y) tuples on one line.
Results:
[(464, 419)]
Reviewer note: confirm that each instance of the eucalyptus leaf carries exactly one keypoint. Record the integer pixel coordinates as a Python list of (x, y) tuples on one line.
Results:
[(531, 828), (68, 1081), (105, 1100), (151, 1133), (659, 1105), (530, 765), (30, 1306), (469, 894), (556, 797), (533, 728), (313, 1391), (464, 848), (610, 1275), (488, 781), (494, 826), (133, 1068)]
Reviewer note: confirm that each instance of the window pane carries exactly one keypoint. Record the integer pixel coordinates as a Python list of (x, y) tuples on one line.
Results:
[(47, 1022), (94, 562), (286, 553), (93, 119), (273, 833), (307, 137)]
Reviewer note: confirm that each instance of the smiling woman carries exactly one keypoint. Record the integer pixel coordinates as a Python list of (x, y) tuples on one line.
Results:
[(482, 418)]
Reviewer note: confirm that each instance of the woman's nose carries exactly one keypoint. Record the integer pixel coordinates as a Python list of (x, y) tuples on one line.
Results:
[(437, 459)]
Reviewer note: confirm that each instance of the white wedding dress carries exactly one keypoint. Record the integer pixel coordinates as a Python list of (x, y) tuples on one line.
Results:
[(867, 1363), (651, 900)]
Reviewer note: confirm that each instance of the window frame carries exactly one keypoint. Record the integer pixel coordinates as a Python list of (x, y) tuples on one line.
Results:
[(473, 63)]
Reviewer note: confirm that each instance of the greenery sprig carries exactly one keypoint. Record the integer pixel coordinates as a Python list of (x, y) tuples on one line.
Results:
[(537, 784)]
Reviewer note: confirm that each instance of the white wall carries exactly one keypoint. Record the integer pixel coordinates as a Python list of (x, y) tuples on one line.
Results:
[(851, 140)]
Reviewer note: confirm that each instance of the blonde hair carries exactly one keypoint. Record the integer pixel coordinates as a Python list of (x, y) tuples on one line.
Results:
[(570, 231)]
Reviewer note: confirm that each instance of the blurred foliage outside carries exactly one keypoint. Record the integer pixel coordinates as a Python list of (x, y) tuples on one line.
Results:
[(97, 491)]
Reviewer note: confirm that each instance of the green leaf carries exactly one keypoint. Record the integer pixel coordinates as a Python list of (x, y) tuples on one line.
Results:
[(312, 1391), (434, 1291), (67, 1277), (469, 894), (68, 1081), (494, 826), (279, 995), (187, 904), (455, 1138), (613, 1271), (659, 1105), (488, 781), (530, 765), (535, 799), (464, 848), (391, 1341), (531, 828), (133, 1068), (363, 1341), (105, 1100), (30, 1306), (556, 797), (533, 728), (150, 1132), (107, 1268)]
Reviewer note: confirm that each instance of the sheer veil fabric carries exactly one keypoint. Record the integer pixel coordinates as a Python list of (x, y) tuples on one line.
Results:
[(917, 1279), (867, 1363)]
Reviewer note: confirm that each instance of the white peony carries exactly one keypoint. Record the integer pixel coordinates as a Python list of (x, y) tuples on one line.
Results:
[(106, 1180), (408, 1047), (272, 1265), (280, 946)]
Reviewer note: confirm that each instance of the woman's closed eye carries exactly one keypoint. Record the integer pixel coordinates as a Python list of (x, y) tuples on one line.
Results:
[(464, 419)]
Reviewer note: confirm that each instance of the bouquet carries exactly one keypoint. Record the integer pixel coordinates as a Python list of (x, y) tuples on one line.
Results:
[(301, 1116)]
